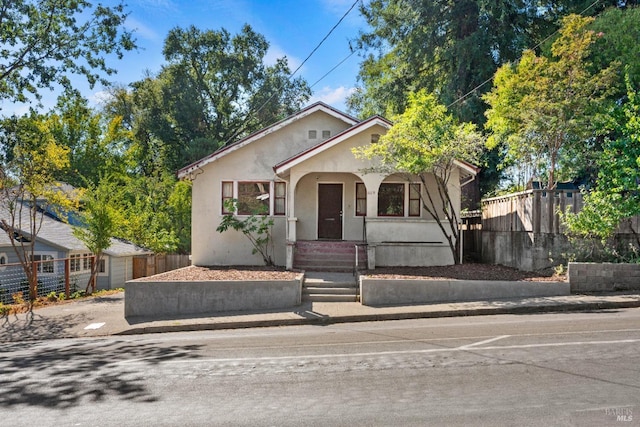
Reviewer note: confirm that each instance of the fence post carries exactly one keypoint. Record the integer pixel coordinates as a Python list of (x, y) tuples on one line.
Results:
[(67, 274)]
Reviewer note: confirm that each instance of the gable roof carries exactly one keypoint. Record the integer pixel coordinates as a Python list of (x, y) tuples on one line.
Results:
[(331, 142), (60, 235), (318, 106)]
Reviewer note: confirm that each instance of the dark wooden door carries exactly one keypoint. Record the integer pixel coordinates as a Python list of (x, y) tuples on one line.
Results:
[(330, 211)]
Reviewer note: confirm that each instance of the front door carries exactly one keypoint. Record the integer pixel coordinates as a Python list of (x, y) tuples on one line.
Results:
[(330, 211)]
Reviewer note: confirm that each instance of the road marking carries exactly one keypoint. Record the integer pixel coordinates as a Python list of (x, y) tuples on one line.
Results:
[(95, 325), (374, 354), (475, 344)]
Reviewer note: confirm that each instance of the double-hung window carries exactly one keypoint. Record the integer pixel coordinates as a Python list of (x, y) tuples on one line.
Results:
[(361, 199)]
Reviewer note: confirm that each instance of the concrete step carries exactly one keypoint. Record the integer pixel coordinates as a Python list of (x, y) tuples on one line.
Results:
[(329, 298), (309, 290)]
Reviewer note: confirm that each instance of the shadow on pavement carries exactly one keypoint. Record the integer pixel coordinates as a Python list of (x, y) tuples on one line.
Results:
[(75, 372)]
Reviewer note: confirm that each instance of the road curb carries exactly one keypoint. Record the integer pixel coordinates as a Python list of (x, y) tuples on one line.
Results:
[(484, 311)]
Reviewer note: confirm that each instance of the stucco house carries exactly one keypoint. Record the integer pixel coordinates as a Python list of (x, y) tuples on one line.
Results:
[(327, 210)]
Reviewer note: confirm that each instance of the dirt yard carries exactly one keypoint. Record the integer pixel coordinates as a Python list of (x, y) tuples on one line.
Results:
[(464, 272)]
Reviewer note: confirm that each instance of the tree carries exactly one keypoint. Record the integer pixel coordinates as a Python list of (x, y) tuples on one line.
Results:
[(41, 41), (616, 197), (28, 188), (426, 142), (99, 223), (214, 89), (97, 146), (541, 108)]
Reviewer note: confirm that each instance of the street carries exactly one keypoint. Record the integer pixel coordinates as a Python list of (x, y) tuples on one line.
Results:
[(540, 369)]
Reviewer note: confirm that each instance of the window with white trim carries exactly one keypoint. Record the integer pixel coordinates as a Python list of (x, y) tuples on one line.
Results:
[(44, 262)]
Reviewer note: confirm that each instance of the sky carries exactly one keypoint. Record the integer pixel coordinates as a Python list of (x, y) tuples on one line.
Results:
[(293, 29)]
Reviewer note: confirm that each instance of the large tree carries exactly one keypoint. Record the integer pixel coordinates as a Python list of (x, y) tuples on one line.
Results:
[(42, 41), (214, 88), (425, 142), (544, 108)]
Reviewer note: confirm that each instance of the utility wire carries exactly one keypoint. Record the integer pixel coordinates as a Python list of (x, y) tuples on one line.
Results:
[(472, 91), (250, 113)]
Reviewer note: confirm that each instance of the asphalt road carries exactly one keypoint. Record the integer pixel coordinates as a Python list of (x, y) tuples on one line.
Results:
[(549, 369)]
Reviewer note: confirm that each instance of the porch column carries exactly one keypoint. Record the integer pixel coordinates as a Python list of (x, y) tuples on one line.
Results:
[(291, 221)]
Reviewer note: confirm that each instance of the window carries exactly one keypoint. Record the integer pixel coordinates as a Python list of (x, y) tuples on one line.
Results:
[(3, 261), (74, 262), (326, 134), (313, 134), (375, 137), (391, 199), (103, 266), (227, 194), (361, 199), (44, 263), (253, 198), (280, 197), (414, 199)]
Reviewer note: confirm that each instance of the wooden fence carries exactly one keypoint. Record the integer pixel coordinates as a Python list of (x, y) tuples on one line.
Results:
[(532, 210), (144, 266), (537, 211)]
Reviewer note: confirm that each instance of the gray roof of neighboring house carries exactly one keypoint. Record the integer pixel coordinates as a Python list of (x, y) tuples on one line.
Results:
[(60, 234)]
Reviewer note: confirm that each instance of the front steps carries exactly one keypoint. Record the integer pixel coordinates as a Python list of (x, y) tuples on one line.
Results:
[(330, 287), (329, 255)]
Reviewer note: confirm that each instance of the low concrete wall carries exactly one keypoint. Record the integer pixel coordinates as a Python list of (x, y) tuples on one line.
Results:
[(147, 298), (603, 277), (418, 291)]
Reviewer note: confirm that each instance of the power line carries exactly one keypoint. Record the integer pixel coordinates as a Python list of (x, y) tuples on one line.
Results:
[(472, 91), (250, 113)]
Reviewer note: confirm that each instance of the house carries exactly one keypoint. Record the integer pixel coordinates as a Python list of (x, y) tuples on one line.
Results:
[(302, 171), (55, 242)]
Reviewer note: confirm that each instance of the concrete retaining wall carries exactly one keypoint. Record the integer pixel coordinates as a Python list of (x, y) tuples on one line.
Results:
[(415, 291), (165, 299), (603, 277)]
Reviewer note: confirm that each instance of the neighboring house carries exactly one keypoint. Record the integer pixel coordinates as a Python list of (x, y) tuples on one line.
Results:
[(303, 172), (55, 241)]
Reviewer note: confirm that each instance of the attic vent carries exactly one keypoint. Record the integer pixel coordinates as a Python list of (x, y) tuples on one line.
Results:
[(313, 134), (326, 134), (375, 137)]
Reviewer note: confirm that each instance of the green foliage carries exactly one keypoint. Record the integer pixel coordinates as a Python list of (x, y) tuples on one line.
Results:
[(256, 227), (426, 141), (542, 108), (43, 41), (616, 197), (214, 89), (100, 220), (28, 166)]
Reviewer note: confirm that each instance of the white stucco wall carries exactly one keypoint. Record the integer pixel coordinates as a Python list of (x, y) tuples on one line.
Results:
[(252, 162)]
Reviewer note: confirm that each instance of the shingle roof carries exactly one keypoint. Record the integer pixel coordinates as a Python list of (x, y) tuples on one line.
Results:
[(59, 234)]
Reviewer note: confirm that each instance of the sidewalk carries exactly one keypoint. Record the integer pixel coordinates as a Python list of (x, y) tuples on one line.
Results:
[(104, 316)]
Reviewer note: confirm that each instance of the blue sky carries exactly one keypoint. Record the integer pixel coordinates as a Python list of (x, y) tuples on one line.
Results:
[(293, 29)]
